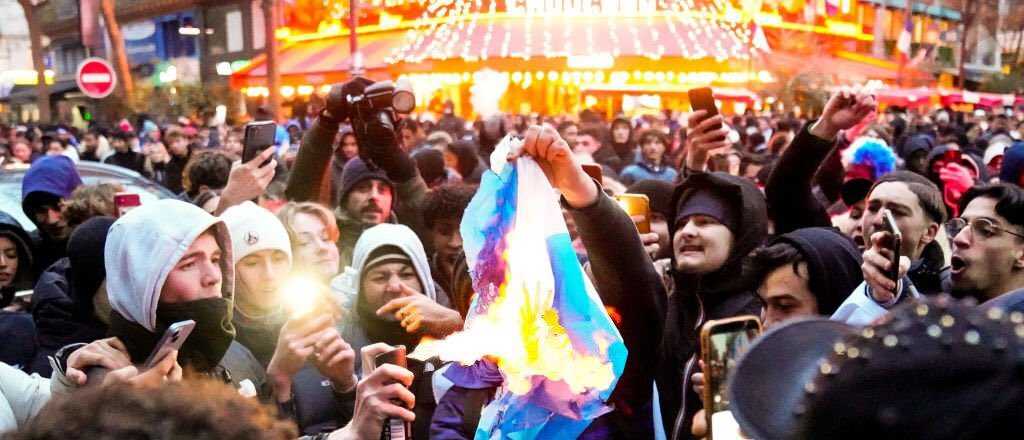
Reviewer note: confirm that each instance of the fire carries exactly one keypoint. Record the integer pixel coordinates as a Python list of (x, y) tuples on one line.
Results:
[(521, 331)]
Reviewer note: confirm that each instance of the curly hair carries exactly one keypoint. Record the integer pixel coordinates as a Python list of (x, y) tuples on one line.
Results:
[(193, 409), (445, 202), (208, 168), (88, 201)]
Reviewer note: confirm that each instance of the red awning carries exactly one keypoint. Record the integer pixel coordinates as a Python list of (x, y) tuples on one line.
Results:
[(955, 97), (316, 62), (838, 70), (905, 97)]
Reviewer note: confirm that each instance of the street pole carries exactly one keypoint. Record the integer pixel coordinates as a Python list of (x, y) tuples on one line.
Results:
[(356, 62), (273, 76), (36, 41)]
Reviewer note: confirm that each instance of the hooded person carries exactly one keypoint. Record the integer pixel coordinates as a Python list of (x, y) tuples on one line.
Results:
[(915, 152), (397, 250), (390, 268), (807, 272), (719, 219), (160, 272), (621, 141), (64, 304), (1012, 170), (49, 181), (15, 259)]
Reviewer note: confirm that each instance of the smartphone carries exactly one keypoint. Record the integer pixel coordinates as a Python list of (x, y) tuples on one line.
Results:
[(722, 342), (259, 135), (637, 204), (889, 224), (702, 98), (595, 172), (394, 428), (172, 339), (124, 202)]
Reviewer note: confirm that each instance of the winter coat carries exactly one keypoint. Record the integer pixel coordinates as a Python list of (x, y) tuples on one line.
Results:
[(720, 294), (58, 319), (629, 285), (789, 191), (130, 160), (647, 171), (24, 278), (21, 397)]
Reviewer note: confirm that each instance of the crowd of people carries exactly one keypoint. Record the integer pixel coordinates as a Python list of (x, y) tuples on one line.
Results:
[(302, 264)]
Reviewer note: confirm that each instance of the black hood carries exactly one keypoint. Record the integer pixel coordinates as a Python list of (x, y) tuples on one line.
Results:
[(749, 234), (833, 264), (11, 229), (625, 150)]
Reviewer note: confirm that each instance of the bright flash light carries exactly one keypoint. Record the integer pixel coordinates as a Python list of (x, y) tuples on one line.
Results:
[(299, 295)]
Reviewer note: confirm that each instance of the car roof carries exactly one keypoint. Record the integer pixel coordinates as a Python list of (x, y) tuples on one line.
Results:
[(92, 173)]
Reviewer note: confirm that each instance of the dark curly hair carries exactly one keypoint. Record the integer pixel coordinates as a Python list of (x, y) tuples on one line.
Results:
[(445, 202), (208, 168), (193, 409)]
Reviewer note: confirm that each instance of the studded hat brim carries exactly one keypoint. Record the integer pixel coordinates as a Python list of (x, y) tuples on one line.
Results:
[(768, 385)]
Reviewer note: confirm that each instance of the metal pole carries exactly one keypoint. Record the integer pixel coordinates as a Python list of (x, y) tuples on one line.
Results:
[(356, 62), (273, 76)]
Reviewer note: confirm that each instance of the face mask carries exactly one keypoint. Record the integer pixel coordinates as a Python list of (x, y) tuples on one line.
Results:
[(214, 332)]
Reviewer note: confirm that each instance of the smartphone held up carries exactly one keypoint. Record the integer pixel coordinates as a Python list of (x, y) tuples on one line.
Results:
[(259, 135), (722, 342)]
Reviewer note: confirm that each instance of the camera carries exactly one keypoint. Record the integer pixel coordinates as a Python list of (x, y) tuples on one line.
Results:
[(373, 111)]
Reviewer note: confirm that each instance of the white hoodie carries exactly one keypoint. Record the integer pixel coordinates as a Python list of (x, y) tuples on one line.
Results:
[(384, 234), (145, 244)]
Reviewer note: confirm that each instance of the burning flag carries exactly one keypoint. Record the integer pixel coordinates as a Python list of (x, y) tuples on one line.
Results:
[(535, 316)]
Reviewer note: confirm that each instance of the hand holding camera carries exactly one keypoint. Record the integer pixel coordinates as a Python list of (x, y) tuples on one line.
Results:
[(373, 109)]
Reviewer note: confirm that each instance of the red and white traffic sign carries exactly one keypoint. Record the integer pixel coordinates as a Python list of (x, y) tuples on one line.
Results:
[(96, 78)]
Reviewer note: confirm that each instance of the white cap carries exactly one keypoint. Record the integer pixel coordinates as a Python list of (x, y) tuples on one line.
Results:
[(255, 229)]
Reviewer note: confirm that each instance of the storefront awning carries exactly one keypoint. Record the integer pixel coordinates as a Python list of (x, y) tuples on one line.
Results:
[(317, 62), (839, 69), (506, 43)]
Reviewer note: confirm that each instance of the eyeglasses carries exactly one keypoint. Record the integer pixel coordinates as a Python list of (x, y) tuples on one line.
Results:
[(984, 228)]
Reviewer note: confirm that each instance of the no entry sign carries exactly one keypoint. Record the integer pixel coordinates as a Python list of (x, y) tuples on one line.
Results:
[(96, 78)]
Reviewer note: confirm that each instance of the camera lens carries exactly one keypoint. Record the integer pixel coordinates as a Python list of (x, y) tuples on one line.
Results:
[(403, 101)]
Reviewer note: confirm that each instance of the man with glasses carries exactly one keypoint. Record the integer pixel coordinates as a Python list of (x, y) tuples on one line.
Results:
[(988, 242)]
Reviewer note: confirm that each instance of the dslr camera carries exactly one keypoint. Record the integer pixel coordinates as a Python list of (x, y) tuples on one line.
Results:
[(373, 113)]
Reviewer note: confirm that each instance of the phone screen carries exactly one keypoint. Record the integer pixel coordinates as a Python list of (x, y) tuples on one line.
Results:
[(722, 343)]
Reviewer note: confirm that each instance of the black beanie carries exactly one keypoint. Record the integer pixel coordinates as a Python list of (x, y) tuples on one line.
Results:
[(85, 253), (711, 203), (430, 163), (356, 171)]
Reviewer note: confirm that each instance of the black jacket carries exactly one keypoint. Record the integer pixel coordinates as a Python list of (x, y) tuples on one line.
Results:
[(23, 278), (628, 283), (130, 160), (789, 190), (698, 298), (59, 320)]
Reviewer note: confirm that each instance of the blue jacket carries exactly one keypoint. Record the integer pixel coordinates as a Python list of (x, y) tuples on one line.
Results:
[(644, 171)]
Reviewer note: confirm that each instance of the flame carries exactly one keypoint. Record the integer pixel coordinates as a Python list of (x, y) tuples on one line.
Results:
[(517, 328)]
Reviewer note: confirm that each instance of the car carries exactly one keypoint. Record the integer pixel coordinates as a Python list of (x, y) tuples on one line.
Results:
[(92, 173)]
